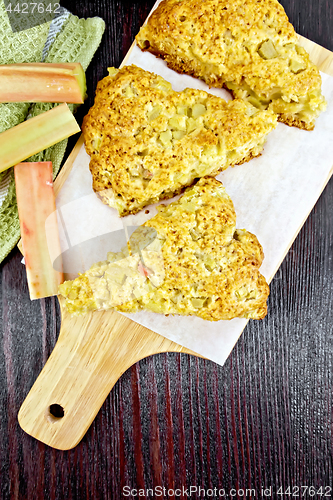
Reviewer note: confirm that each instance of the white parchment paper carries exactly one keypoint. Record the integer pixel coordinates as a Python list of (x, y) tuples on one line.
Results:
[(273, 195)]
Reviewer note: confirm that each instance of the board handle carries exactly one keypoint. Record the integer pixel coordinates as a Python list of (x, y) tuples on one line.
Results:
[(92, 352)]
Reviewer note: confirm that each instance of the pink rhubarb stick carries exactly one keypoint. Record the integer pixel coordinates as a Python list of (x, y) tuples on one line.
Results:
[(36, 204)]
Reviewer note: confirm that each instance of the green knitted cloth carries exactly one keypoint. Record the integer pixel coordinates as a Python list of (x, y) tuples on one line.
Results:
[(77, 41)]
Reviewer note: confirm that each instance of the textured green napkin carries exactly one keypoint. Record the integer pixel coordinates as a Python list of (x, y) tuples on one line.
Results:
[(77, 41)]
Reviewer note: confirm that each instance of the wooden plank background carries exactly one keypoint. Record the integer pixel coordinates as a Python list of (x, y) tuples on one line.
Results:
[(173, 420)]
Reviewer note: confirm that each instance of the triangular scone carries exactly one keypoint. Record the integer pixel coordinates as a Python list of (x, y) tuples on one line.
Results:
[(189, 259), (247, 46), (148, 142)]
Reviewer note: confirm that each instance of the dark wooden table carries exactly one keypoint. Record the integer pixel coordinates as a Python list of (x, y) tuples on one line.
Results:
[(175, 421)]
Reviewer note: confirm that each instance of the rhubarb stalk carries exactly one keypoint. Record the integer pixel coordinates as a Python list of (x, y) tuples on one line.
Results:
[(36, 134), (36, 205), (42, 82)]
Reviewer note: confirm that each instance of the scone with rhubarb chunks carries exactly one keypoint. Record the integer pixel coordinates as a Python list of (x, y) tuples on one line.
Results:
[(148, 142), (247, 46), (187, 260)]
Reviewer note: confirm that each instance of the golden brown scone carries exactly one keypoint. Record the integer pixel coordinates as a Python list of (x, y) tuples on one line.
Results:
[(247, 46), (148, 142), (189, 259)]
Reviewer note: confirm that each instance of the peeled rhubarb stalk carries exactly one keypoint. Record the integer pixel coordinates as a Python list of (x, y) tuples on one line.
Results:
[(36, 205), (35, 135), (42, 82)]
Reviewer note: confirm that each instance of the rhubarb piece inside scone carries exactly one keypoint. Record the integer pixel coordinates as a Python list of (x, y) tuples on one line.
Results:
[(148, 142), (187, 260), (246, 46)]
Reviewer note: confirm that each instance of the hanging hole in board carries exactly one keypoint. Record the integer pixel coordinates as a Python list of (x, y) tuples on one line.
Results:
[(54, 413)]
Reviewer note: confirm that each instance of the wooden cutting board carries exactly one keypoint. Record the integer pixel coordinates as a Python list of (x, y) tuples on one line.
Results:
[(93, 351)]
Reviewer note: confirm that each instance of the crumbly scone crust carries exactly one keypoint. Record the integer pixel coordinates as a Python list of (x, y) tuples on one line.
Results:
[(103, 195), (201, 265), (148, 142), (220, 41), (294, 122), (291, 121)]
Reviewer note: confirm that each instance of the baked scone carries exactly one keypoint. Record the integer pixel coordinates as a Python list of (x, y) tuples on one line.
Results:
[(189, 259), (247, 46), (148, 142)]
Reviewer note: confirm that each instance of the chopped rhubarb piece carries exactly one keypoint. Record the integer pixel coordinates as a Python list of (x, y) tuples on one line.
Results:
[(42, 82), (36, 203), (144, 271), (36, 134)]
